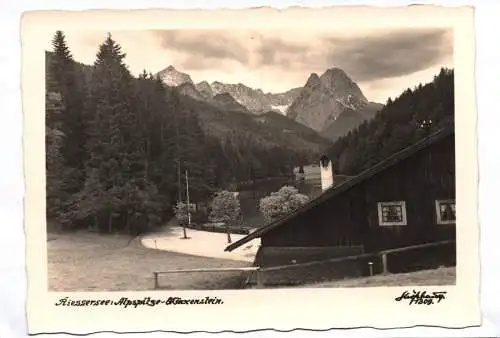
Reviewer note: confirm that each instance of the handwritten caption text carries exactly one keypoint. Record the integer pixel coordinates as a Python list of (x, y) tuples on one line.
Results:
[(146, 301)]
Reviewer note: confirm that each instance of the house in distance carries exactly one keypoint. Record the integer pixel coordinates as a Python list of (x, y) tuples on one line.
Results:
[(405, 200)]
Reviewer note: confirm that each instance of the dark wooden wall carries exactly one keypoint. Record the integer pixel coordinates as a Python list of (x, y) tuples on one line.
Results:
[(283, 255), (326, 270), (352, 217)]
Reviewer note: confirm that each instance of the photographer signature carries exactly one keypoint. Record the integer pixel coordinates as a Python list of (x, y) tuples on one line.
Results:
[(422, 297)]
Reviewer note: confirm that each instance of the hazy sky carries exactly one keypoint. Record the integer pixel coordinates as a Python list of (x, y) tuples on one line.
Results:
[(382, 62)]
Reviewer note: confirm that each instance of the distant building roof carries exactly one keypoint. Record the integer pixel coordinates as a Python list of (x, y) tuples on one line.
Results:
[(340, 188)]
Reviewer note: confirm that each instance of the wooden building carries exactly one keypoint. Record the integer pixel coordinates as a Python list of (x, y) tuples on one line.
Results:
[(407, 199)]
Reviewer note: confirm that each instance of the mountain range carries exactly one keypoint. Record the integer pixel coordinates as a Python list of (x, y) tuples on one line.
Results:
[(221, 115), (331, 104), (255, 100), (307, 119)]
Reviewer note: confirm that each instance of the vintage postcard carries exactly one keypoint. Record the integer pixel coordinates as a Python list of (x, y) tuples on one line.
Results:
[(189, 170)]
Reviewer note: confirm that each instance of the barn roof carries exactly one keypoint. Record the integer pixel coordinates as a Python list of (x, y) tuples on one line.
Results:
[(338, 189)]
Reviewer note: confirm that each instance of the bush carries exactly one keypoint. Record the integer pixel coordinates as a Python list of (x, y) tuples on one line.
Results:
[(181, 211), (282, 202), (225, 207)]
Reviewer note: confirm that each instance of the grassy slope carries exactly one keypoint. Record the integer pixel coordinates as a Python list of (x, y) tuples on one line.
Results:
[(89, 262), (440, 276)]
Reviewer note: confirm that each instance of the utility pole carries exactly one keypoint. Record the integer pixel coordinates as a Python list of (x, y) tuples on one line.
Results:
[(187, 206), (178, 155), (187, 197), (178, 160), (179, 190)]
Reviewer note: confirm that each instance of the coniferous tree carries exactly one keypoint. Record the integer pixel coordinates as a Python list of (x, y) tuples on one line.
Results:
[(64, 131), (54, 160), (67, 80), (116, 162), (60, 66)]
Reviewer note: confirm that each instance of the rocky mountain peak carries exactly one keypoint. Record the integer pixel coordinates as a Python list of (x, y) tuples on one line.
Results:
[(205, 89), (336, 72), (252, 99), (335, 77), (338, 82), (224, 97), (172, 77), (313, 81), (228, 101), (189, 89), (204, 84), (324, 98)]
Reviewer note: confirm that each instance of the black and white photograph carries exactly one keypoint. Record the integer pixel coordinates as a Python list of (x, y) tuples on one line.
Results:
[(251, 158), (211, 164)]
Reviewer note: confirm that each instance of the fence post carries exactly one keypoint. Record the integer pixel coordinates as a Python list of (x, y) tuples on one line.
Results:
[(370, 264), (156, 279), (384, 264), (258, 277)]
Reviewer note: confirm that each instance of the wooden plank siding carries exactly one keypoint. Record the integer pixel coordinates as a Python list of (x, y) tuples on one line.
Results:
[(352, 216)]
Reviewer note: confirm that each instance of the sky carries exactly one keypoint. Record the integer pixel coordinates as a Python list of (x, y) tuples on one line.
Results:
[(383, 62)]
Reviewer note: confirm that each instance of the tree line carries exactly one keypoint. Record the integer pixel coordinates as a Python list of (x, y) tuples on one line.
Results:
[(401, 123), (118, 147)]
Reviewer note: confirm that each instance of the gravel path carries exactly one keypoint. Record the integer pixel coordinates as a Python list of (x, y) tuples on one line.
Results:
[(200, 243)]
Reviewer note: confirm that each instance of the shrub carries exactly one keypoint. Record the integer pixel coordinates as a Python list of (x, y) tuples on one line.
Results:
[(282, 202), (181, 211), (225, 207)]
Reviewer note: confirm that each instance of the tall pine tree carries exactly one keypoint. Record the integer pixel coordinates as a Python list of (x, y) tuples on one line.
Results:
[(117, 164), (64, 126), (66, 79)]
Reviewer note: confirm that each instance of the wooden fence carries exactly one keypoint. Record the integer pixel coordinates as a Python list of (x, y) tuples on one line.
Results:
[(383, 254), (156, 274), (260, 271)]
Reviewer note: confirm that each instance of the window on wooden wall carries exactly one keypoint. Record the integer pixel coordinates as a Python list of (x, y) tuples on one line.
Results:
[(445, 211), (392, 213)]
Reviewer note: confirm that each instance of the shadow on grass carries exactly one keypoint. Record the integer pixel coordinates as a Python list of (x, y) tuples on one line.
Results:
[(90, 262), (222, 281)]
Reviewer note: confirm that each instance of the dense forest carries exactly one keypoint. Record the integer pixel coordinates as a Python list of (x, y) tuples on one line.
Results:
[(402, 122), (118, 146)]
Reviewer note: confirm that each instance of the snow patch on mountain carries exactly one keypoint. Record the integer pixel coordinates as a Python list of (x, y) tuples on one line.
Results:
[(350, 106), (281, 108)]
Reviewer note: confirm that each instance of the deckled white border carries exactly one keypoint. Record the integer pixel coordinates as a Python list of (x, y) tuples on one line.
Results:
[(12, 202), (332, 307)]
